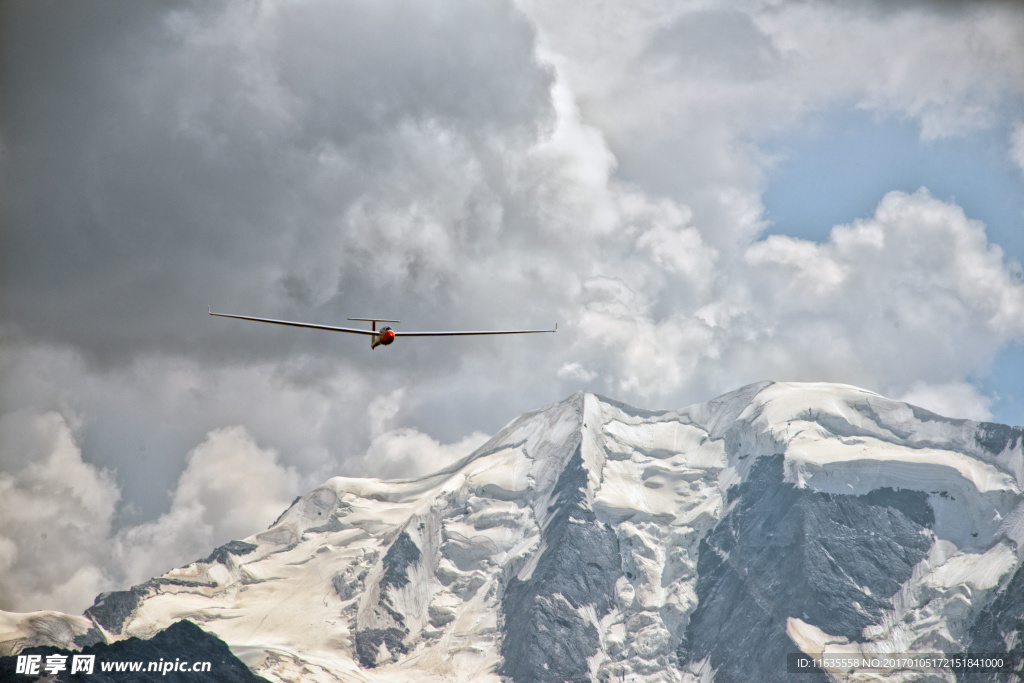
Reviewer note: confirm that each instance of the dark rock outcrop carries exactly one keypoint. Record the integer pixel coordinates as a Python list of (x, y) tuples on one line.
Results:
[(546, 639), (180, 645), (833, 561)]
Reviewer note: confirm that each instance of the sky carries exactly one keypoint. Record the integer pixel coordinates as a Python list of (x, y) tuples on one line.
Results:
[(701, 194)]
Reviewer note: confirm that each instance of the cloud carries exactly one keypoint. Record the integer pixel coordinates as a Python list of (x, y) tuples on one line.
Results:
[(684, 118), (917, 275), (405, 453), (958, 399), (301, 408), (56, 513), (946, 69), (1017, 145), (58, 543), (574, 372), (231, 488), (240, 153)]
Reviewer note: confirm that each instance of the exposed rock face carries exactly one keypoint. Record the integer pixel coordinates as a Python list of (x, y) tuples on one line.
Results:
[(999, 629), (594, 541), (112, 609), (829, 559), (402, 554), (550, 634)]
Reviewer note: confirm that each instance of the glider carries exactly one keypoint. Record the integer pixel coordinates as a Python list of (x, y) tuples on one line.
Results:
[(382, 337)]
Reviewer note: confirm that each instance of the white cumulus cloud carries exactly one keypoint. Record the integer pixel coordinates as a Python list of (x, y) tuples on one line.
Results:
[(403, 452), (58, 543), (958, 399), (55, 516), (918, 275), (231, 488)]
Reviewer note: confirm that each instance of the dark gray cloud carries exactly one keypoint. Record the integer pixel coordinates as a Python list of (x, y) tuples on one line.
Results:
[(210, 154)]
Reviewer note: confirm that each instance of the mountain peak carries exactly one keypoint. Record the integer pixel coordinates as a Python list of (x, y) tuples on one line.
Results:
[(589, 540)]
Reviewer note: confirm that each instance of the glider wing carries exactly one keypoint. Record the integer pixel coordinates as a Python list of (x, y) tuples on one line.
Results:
[(399, 333), (353, 330)]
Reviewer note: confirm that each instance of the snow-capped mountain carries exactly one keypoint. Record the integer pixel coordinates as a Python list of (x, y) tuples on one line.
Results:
[(590, 540)]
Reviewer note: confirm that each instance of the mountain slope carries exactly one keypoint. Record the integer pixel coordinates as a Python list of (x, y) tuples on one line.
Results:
[(593, 541)]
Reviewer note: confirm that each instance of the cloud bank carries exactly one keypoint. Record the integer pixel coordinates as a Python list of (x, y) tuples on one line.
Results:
[(59, 546)]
